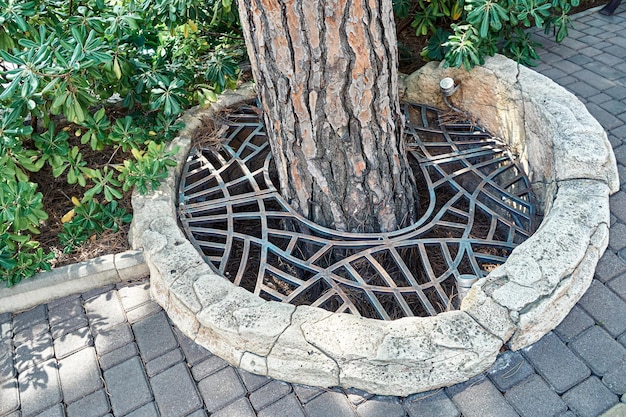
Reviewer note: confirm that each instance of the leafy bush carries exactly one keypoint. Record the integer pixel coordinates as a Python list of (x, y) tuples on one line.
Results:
[(464, 32), (110, 76)]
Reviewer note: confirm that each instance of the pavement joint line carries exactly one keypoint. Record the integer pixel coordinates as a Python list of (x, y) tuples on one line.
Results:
[(76, 278)]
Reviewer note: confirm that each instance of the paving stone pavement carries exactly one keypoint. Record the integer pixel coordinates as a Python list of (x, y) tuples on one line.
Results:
[(112, 352)]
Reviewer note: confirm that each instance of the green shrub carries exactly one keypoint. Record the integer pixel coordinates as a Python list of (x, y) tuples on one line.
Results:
[(111, 76)]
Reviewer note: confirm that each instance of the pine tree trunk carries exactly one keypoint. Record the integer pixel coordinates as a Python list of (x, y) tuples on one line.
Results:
[(326, 71)]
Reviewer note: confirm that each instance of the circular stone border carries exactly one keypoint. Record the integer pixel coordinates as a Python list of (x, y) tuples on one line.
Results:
[(572, 167)]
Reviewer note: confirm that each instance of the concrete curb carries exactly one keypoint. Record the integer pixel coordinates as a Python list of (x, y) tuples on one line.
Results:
[(73, 279)]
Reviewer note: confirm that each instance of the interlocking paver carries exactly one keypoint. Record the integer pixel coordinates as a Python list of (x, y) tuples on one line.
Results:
[(590, 398), (618, 410), (253, 381), (268, 394), (599, 350), (175, 399), (80, 374), (381, 406), (9, 396), (617, 237), (479, 397), (163, 362), (576, 322), (105, 311), (118, 356), (69, 325), (605, 307), (286, 407), (306, 393), (432, 403), (66, 308), (220, 389), (533, 397), (240, 408), (143, 311), (202, 413), (617, 201), (609, 266), (148, 410), (26, 319), (54, 411), (127, 386), (207, 367), (72, 342), (95, 404), (30, 352), (7, 368), (330, 404), (134, 294), (39, 388), (113, 338), (357, 396), (509, 369), (618, 286), (154, 336), (615, 378), (194, 353)]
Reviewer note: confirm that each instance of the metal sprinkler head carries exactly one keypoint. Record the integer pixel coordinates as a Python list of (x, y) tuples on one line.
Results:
[(448, 86)]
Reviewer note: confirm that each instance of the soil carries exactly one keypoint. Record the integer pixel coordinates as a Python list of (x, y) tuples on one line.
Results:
[(57, 193)]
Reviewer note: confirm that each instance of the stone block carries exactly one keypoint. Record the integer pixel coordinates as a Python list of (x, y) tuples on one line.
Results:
[(268, 394), (80, 374), (563, 374), (618, 286), (70, 307), (328, 404), (618, 410), (431, 403), (105, 311), (69, 325), (252, 381), (615, 378), (127, 386), (175, 399), (163, 362), (533, 397), (134, 294), (285, 407), (599, 350), (590, 398), (26, 319), (32, 351), (576, 322), (193, 352), (239, 408), (113, 338), (131, 265), (493, 317), (54, 411), (141, 312), (208, 367), (148, 410), (609, 266), (118, 356), (72, 342), (9, 396)]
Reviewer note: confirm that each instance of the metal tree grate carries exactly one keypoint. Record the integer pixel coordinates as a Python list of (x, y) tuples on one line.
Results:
[(475, 200)]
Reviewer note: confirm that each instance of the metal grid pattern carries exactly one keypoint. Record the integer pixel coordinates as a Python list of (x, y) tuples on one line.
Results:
[(476, 207)]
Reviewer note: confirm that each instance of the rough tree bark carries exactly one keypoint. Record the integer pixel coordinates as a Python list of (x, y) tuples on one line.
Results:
[(326, 71)]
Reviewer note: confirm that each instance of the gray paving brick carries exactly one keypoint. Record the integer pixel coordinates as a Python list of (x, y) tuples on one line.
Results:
[(207, 367), (381, 406), (80, 374), (194, 353), (6, 330), (143, 311), (622, 339), (32, 351), (220, 389), (576, 322), (6, 317), (533, 397), (618, 286), (609, 266), (202, 413), (251, 381), (113, 338), (618, 205), (69, 307), (240, 408), (615, 378), (620, 151), (7, 368), (509, 369), (432, 403), (285, 407), (26, 319), (268, 394), (329, 404), (605, 307), (127, 386), (148, 410), (118, 356), (599, 350), (357, 396), (606, 119), (154, 336), (306, 393), (134, 294), (105, 311), (9, 396), (163, 362), (55, 411), (479, 397), (39, 388), (582, 89), (88, 295), (69, 325), (72, 342), (590, 398), (178, 399), (618, 92), (563, 374), (95, 404)]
